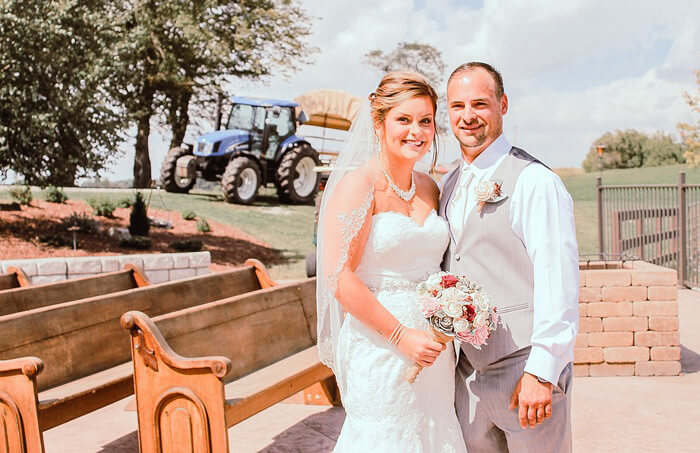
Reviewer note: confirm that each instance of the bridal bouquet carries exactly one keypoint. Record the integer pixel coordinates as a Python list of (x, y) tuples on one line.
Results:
[(456, 307)]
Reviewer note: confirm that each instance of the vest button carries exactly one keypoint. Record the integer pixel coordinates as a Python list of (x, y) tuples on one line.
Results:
[(457, 257)]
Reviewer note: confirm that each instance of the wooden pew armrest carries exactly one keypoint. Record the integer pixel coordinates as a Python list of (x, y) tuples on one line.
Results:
[(29, 366), (141, 327), (22, 278)]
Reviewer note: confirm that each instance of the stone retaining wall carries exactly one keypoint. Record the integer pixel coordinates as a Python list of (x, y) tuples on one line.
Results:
[(628, 320), (158, 267)]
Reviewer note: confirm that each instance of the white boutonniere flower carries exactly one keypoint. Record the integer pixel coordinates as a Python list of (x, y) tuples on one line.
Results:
[(487, 192)]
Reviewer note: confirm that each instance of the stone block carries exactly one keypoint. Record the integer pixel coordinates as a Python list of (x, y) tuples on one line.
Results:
[(656, 339), (587, 294), (177, 274), (109, 263), (581, 340), (624, 293), (612, 369), (581, 278), (200, 259), (626, 354), (665, 353), (590, 325), (46, 279), (157, 261), (658, 276), (89, 265), (136, 260), (74, 276), (605, 309), (611, 339), (51, 266), (203, 271), (663, 292), (608, 277), (588, 355), (157, 276), (663, 323), (28, 266), (655, 308), (181, 260), (582, 309), (670, 368), (625, 324), (581, 370)]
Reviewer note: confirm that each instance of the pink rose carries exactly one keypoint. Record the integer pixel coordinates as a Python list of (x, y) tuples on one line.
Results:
[(449, 281)]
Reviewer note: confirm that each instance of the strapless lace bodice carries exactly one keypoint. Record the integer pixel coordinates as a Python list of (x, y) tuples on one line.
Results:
[(400, 249)]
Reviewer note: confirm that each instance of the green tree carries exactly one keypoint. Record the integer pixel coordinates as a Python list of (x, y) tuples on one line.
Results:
[(172, 51), (632, 149), (411, 56), (690, 132), (56, 121)]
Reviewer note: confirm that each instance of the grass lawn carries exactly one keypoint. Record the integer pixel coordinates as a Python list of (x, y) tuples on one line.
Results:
[(290, 228)]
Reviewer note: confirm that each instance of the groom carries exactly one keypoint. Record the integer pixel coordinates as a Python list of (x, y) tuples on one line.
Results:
[(513, 394)]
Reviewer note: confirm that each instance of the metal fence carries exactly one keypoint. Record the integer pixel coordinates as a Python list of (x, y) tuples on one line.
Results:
[(656, 223)]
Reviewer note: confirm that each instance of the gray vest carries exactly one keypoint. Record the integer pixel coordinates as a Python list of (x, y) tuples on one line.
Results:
[(490, 253)]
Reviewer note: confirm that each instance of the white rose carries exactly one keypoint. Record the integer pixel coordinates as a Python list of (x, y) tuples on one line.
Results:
[(432, 283), (480, 302), (485, 190), (453, 294), (461, 325), (453, 309), (480, 320)]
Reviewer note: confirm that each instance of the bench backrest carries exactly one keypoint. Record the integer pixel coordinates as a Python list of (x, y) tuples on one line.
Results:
[(79, 338), (28, 298)]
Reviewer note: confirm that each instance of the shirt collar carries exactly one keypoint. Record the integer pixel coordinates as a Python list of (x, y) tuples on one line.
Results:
[(488, 158)]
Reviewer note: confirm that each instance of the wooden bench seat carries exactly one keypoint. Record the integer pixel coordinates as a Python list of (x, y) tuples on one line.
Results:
[(261, 343), (82, 351), (31, 297), (14, 278)]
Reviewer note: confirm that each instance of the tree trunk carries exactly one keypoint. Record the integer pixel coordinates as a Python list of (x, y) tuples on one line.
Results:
[(178, 116), (142, 159)]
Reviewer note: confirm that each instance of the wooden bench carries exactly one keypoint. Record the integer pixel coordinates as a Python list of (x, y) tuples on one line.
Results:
[(83, 352), (14, 278), (261, 343), (31, 297)]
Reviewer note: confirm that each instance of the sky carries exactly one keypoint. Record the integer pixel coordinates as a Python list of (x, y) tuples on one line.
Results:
[(572, 69)]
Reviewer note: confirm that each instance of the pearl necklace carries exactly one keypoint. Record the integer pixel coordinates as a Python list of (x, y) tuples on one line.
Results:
[(406, 196)]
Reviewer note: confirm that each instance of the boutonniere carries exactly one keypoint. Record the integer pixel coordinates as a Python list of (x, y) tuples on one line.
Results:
[(488, 192)]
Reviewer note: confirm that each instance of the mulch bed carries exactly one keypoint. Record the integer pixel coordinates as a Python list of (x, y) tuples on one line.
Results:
[(20, 233)]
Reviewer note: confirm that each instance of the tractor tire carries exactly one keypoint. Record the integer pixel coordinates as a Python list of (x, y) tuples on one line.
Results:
[(168, 173), (241, 180), (296, 181)]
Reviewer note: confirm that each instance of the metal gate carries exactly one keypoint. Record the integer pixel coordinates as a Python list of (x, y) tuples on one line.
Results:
[(657, 223)]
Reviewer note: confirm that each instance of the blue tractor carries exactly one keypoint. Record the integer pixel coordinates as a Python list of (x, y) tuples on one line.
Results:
[(258, 146)]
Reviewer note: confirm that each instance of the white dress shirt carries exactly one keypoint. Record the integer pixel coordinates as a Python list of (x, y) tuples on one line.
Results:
[(542, 216)]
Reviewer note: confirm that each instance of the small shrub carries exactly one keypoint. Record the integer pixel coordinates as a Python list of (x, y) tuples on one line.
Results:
[(189, 215), (187, 245), (55, 195), (125, 202), (138, 220), (53, 240), (85, 222), (102, 207), (203, 225), (22, 195), (136, 242)]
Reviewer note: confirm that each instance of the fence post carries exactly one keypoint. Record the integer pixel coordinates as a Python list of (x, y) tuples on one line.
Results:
[(682, 232), (599, 200)]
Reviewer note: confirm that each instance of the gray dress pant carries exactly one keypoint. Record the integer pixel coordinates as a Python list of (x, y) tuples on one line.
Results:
[(482, 398)]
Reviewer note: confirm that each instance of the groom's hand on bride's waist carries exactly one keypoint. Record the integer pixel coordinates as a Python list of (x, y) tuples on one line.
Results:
[(533, 399)]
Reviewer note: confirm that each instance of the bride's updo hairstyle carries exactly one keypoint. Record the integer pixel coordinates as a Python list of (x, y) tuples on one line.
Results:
[(397, 87)]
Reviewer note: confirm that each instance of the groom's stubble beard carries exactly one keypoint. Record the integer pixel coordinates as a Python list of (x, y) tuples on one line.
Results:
[(473, 145)]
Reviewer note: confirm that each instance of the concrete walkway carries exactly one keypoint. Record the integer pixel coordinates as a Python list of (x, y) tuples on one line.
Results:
[(635, 414)]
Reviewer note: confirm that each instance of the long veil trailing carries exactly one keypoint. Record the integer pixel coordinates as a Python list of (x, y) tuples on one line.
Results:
[(344, 210)]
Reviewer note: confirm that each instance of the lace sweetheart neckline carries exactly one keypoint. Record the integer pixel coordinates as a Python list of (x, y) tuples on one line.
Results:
[(411, 219)]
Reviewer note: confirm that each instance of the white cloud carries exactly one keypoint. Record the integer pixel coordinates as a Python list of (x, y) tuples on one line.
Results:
[(573, 69)]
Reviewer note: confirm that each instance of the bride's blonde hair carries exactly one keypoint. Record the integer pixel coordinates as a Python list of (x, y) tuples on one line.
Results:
[(397, 87)]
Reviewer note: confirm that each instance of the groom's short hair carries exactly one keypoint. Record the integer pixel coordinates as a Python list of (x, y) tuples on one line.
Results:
[(466, 67)]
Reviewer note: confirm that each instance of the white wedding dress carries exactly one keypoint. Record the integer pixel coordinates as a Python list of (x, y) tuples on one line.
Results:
[(384, 412)]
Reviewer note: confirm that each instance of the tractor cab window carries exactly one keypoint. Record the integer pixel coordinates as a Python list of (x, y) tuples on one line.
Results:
[(280, 125), (241, 117)]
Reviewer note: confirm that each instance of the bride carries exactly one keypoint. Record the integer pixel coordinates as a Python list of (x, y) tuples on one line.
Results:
[(379, 236)]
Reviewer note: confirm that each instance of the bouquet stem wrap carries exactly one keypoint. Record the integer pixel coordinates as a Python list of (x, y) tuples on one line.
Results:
[(416, 369)]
